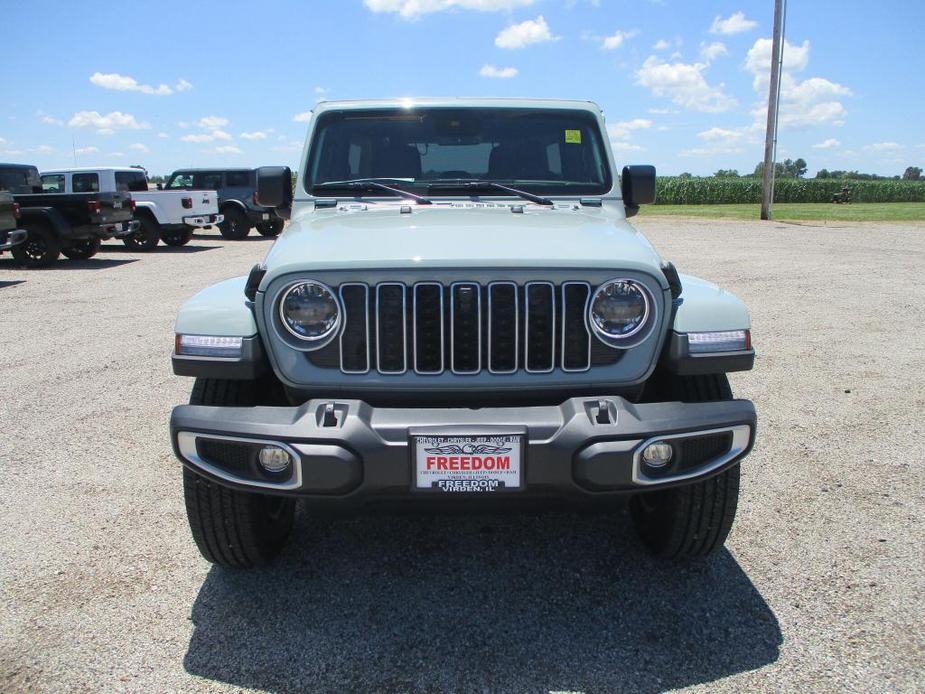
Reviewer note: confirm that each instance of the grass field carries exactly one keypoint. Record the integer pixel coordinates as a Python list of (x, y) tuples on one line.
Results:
[(796, 211)]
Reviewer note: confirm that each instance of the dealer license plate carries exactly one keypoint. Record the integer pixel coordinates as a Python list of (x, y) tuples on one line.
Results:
[(468, 464)]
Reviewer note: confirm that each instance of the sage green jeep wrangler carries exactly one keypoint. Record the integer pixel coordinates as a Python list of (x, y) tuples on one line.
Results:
[(458, 315)]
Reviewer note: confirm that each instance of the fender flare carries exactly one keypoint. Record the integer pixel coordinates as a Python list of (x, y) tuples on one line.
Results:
[(48, 217), (233, 202), (704, 307), (151, 209)]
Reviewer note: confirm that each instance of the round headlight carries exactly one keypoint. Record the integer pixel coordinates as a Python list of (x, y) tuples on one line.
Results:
[(310, 311), (619, 310)]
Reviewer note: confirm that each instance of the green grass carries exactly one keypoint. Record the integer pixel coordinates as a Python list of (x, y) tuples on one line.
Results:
[(799, 211)]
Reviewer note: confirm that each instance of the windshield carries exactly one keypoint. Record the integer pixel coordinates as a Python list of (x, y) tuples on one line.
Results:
[(544, 151)]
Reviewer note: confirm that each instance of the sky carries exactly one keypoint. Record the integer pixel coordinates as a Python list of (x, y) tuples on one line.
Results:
[(683, 84)]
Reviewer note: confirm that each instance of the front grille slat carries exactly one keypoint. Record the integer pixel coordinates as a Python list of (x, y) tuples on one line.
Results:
[(465, 327), (540, 331), (391, 342), (428, 327), (576, 342), (503, 332)]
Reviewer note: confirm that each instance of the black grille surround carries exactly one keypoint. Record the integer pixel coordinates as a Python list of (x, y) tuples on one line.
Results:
[(464, 327)]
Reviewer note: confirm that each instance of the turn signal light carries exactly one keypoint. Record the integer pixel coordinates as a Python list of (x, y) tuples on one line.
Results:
[(219, 346), (17, 213), (720, 341)]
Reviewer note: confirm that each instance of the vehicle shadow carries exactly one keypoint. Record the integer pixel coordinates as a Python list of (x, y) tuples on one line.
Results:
[(121, 248), (253, 236), (558, 601), (95, 263), (10, 283)]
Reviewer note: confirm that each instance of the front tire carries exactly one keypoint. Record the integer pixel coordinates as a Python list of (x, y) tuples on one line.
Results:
[(232, 528), (235, 226), (83, 249), (692, 520), (40, 249), (177, 238), (146, 238), (271, 228)]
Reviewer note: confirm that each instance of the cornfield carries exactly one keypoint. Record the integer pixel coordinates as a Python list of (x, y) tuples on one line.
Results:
[(672, 190)]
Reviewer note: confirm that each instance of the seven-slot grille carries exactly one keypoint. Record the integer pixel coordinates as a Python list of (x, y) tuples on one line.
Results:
[(465, 328)]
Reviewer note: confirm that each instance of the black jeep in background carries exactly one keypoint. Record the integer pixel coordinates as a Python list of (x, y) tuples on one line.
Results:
[(10, 233), (236, 189), (70, 223)]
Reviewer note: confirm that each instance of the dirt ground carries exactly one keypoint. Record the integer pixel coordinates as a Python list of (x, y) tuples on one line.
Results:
[(822, 585)]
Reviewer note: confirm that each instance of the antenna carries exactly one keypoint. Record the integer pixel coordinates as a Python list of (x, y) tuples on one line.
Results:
[(74, 147)]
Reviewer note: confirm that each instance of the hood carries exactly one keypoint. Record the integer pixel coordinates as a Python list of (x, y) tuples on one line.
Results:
[(379, 236)]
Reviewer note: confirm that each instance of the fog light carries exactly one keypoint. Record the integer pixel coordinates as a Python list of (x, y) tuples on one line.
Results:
[(657, 454), (274, 459)]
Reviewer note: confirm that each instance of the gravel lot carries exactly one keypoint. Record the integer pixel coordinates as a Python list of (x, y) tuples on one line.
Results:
[(822, 587)]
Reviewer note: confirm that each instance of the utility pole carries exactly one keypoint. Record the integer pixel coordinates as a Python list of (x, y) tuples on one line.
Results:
[(770, 137)]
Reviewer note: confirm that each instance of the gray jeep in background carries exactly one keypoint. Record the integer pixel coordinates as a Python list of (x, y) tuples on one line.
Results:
[(236, 199), (459, 315)]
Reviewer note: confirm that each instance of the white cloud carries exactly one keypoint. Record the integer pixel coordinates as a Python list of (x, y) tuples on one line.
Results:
[(212, 122), (684, 84), (105, 131), (163, 136), (117, 155), (207, 137), (524, 34), (124, 83), (303, 117), (410, 9), (116, 120), (884, 146), (615, 40), (622, 130), (711, 51), (87, 150), (709, 151), (225, 149), (138, 147), (827, 144), (44, 149), (661, 111), (498, 72), (717, 134), (626, 147), (256, 135), (50, 120), (183, 85), (812, 101), (661, 45), (734, 24)]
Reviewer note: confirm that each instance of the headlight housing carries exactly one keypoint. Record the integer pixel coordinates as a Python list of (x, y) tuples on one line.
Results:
[(310, 312), (620, 312)]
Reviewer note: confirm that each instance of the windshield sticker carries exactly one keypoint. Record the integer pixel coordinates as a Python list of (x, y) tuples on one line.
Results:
[(573, 137)]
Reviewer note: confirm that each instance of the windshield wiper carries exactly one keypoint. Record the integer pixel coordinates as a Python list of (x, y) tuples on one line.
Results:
[(479, 184), (367, 183)]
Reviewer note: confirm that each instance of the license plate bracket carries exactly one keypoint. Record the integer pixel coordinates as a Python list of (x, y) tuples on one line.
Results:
[(468, 463)]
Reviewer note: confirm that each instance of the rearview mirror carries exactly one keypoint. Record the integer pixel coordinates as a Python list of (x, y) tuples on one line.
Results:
[(638, 185), (274, 188)]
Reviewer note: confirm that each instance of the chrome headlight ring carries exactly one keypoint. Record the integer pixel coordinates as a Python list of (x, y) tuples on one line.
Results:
[(642, 326), (325, 314)]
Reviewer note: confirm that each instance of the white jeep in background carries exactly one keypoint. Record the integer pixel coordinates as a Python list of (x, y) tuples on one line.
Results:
[(167, 215)]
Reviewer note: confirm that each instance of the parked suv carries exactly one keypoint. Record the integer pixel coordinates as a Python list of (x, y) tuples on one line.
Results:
[(460, 315), (70, 223), (236, 188), (170, 216)]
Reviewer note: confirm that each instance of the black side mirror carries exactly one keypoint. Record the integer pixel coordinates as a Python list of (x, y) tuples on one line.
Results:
[(638, 185), (160, 186), (274, 189)]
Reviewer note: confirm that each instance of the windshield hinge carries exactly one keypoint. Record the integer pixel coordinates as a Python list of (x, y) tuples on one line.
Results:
[(591, 202), (321, 203)]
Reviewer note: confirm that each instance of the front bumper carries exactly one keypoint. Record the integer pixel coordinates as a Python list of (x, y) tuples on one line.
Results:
[(203, 220), (351, 453), (120, 229), (11, 238)]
